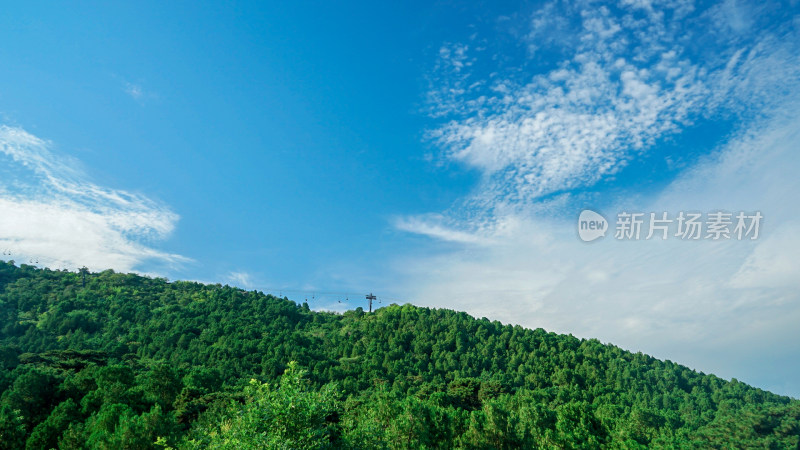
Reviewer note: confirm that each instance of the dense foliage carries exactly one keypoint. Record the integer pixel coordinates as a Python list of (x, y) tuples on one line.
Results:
[(134, 362)]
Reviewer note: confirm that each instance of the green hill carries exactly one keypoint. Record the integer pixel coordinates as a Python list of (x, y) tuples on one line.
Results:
[(133, 362)]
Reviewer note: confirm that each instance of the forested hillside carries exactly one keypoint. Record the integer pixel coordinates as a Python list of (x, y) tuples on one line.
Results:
[(133, 362)]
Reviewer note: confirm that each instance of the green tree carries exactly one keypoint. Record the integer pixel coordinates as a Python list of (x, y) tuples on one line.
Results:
[(12, 428), (47, 433), (290, 415)]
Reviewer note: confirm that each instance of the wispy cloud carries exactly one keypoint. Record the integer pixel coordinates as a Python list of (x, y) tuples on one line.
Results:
[(433, 225), (628, 77), (134, 90), (51, 212), (138, 92), (241, 279)]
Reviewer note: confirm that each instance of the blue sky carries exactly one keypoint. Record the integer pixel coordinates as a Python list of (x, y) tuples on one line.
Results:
[(437, 154)]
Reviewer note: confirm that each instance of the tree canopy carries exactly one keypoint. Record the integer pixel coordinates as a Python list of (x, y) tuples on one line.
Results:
[(128, 361)]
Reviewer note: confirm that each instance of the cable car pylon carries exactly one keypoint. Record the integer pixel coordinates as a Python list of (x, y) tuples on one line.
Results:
[(370, 298)]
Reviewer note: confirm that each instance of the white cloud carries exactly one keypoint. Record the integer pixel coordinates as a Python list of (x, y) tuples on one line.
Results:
[(773, 263), (138, 92), (433, 226), (733, 15), (134, 90), (50, 212), (450, 80), (241, 279), (626, 81)]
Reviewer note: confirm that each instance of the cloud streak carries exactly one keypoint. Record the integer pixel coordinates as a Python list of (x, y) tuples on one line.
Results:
[(50, 212)]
